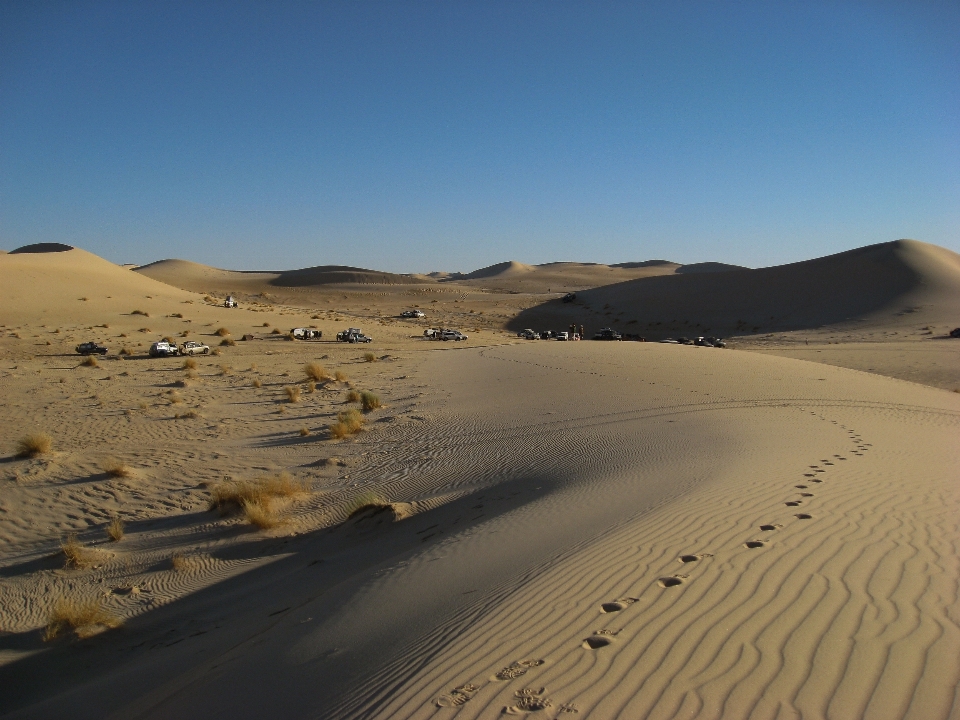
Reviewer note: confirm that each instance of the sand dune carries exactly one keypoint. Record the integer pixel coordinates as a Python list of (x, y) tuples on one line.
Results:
[(896, 284), (603, 530)]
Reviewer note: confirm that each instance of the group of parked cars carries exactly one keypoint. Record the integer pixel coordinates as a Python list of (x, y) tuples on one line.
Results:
[(701, 341), (353, 335), (165, 348)]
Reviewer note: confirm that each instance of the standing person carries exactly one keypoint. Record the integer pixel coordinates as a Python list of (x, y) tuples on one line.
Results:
[(582, 334)]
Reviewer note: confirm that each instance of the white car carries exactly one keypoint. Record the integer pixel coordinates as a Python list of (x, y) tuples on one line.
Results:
[(192, 347), (452, 335), (528, 334), (563, 336), (412, 314), (163, 349)]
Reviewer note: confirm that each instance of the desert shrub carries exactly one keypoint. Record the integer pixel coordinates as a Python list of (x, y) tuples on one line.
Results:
[(263, 516), (192, 375), (216, 351), (90, 361), (315, 371), (174, 397), (231, 494), (145, 330), (304, 431), (140, 312), (230, 342), (311, 386), (177, 315), (167, 338), (34, 444), (348, 423), (369, 357), (116, 468), (353, 396), (366, 501), (125, 351), (190, 364), (184, 333), (370, 401), (115, 529), (275, 331), (293, 393), (222, 332), (256, 382), (266, 324), (226, 370), (180, 562), (82, 617), (75, 554), (340, 376)]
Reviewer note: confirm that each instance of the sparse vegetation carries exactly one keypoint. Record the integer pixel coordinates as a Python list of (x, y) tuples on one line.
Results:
[(304, 431), (116, 468), (263, 516), (366, 501), (82, 617), (174, 397), (229, 342), (275, 331), (115, 529), (349, 422), (222, 332), (353, 396), (90, 361), (293, 393), (190, 364), (125, 351), (340, 376), (255, 498), (75, 554), (370, 401), (226, 370), (369, 357), (140, 312), (311, 386), (315, 371), (180, 562), (256, 382), (34, 444)]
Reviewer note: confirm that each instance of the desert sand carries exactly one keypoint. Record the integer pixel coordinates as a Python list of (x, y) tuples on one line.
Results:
[(584, 529)]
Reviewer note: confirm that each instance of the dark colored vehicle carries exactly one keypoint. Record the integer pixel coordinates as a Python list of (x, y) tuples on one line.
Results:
[(608, 334), (569, 297), (955, 333), (353, 335), (715, 342), (91, 348), (684, 341)]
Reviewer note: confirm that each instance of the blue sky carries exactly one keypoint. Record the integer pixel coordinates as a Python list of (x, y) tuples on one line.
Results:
[(414, 136)]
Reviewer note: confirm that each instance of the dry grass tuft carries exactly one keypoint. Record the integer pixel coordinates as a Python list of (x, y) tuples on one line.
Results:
[(76, 554), (256, 382), (304, 431), (34, 444), (192, 375), (82, 617), (275, 331), (370, 401), (125, 351), (316, 372), (140, 312), (226, 370), (222, 332), (349, 422), (340, 376), (293, 393), (116, 468), (115, 529), (90, 361), (190, 364), (263, 516), (175, 398), (228, 342), (353, 396), (369, 357), (189, 415), (181, 562), (366, 501), (311, 386)]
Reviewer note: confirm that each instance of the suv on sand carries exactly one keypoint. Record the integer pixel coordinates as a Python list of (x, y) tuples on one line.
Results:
[(163, 348), (192, 347), (91, 348)]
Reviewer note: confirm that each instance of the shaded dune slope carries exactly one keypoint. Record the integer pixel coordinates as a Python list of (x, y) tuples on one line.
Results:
[(901, 281)]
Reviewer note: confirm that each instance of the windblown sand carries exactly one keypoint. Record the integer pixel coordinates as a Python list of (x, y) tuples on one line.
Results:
[(603, 530)]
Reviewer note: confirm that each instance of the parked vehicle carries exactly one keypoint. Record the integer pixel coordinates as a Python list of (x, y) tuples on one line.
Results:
[(569, 297), (303, 333), (91, 348), (452, 335), (431, 333), (528, 334), (192, 347), (353, 335), (563, 335), (547, 335), (684, 341), (230, 302), (716, 342), (608, 334), (163, 348), (671, 341), (955, 333), (412, 314)]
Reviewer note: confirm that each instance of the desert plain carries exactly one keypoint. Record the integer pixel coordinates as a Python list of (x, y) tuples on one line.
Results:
[(422, 529)]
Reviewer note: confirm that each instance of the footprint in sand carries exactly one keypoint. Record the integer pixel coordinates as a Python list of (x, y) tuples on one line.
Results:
[(672, 581), (693, 558), (803, 516), (516, 669), (770, 527), (595, 642), (568, 708), (458, 696), (792, 503), (754, 544), (528, 700), (617, 605)]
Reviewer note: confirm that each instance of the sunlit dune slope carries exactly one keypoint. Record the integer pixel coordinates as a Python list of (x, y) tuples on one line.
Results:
[(904, 282)]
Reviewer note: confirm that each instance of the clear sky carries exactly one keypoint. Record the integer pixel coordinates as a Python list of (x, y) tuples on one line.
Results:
[(446, 135)]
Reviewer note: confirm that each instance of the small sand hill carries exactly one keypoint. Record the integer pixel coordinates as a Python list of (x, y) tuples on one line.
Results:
[(901, 283), (205, 279), (510, 268), (69, 285)]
